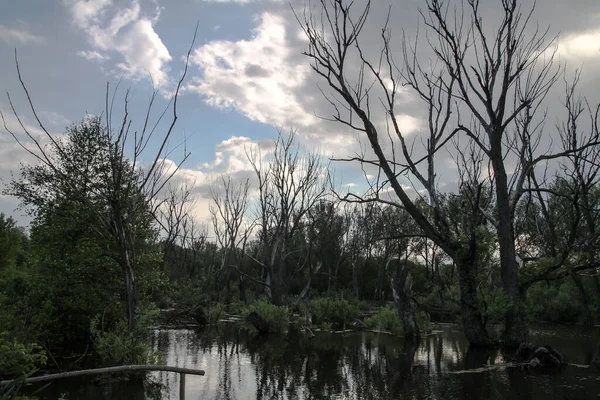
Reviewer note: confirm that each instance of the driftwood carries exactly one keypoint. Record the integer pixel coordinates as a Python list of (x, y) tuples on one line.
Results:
[(543, 356), (258, 322)]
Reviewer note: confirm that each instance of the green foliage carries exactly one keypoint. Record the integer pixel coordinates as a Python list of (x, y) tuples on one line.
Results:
[(11, 240), (335, 311), (276, 317), (236, 306), (327, 326), (423, 321), (17, 359), (214, 312), (498, 303), (117, 346), (386, 319), (26, 312), (554, 302)]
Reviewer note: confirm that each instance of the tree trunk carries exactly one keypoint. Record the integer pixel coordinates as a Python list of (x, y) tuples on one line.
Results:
[(584, 299), (276, 292), (258, 322), (401, 288), (515, 324), (597, 291), (131, 296), (242, 287), (355, 279), (471, 317)]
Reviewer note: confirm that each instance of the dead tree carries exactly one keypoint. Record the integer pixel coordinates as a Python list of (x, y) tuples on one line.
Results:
[(174, 214), (487, 83), (289, 185), (562, 229), (231, 226)]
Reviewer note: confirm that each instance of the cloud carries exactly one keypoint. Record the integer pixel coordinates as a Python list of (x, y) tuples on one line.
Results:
[(54, 120), (91, 55), (580, 45), (230, 159), (254, 76), (126, 31), (19, 36), (12, 155)]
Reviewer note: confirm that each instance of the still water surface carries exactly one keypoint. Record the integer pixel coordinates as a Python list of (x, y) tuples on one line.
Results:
[(363, 365)]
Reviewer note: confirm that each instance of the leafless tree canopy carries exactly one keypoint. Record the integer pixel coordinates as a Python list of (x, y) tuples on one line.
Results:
[(484, 92)]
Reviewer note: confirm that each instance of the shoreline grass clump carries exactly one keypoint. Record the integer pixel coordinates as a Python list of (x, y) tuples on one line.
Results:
[(386, 319), (335, 311)]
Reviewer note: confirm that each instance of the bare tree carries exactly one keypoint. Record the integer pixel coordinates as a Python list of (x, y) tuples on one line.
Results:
[(174, 214), (562, 231), (288, 187), (487, 83), (231, 226), (122, 187)]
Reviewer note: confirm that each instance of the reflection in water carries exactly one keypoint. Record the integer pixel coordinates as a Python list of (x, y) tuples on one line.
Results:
[(364, 365)]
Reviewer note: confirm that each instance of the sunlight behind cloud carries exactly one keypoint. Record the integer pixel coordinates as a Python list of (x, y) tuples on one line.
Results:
[(580, 45), (254, 76)]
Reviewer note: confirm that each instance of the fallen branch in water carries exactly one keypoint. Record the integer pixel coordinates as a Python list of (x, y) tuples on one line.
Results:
[(122, 368)]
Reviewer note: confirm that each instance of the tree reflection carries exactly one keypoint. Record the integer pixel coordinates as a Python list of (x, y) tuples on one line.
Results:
[(364, 365)]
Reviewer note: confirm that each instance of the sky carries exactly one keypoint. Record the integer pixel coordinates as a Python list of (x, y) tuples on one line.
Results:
[(247, 76)]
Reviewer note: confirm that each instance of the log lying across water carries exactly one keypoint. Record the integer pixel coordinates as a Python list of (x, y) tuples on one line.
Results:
[(121, 368), (108, 370)]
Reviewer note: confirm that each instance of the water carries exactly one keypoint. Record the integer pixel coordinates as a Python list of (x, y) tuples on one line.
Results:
[(363, 365)]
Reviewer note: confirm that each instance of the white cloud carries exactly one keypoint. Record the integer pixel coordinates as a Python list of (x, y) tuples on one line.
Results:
[(127, 31), (580, 45), (91, 55), (12, 155), (19, 36), (408, 124), (54, 120), (255, 76)]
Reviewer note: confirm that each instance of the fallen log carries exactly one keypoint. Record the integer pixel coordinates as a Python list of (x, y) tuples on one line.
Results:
[(109, 370)]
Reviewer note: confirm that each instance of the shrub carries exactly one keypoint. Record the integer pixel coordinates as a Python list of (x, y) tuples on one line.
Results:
[(118, 346), (326, 326), (335, 311), (386, 319), (557, 302), (17, 359), (497, 303), (276, 317), (214, 312), (423, 320)]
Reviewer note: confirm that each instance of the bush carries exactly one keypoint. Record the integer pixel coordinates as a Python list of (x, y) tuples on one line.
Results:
[(17, 359), (557, 302), (498, 304), (276, 317), (386, 319), (118, 346), (214, 312), (423, 320), (335, 311)]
